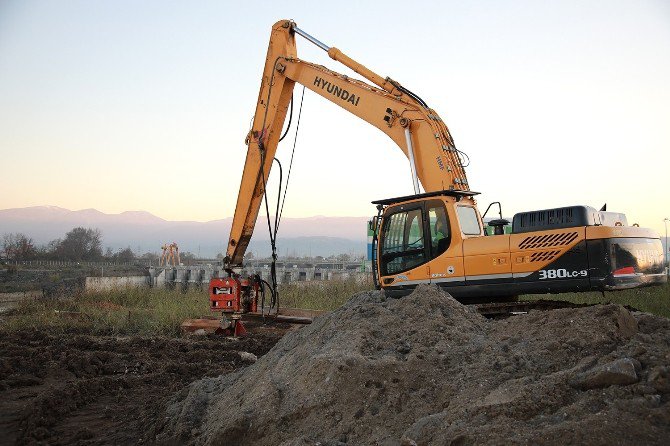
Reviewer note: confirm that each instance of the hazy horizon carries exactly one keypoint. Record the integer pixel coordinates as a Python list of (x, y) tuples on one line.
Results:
[(260, 215), (118, 105), (144, 232)]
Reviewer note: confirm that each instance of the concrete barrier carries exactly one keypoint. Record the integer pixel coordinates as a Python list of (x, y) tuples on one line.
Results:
[(110, 283)]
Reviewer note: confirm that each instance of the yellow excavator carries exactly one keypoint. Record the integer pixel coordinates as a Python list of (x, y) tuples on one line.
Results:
[(436, 235)]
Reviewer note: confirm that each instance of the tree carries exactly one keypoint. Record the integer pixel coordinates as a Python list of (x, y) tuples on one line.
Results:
[(150, 256), (125, 255), (50, 251), (18, 247), (81, 244), (187, 258)]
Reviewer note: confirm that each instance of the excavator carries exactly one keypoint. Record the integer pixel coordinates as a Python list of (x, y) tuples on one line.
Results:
[(436, 235)]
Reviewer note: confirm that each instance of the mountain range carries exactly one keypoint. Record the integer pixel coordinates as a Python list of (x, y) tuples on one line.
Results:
[(145, 232)]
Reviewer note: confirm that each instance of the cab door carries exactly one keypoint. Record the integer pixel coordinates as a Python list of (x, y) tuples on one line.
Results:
[(404, 247)]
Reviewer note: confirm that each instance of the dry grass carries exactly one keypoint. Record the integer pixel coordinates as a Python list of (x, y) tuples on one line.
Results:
[(143, 311), (321, 295), (127, 311)]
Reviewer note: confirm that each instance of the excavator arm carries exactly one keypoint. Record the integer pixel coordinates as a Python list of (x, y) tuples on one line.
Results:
[(415, 128)]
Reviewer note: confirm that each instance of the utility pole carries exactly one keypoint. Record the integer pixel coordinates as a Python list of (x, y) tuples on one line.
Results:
[(667, 267)]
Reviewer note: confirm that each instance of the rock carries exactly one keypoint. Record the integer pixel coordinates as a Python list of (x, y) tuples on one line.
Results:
[(619, 372), (626, 322), (404, 348), (246, 356), (407, 442), (654, 400)]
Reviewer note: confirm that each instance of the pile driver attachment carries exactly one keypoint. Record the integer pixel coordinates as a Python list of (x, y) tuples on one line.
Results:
[(234, 296)]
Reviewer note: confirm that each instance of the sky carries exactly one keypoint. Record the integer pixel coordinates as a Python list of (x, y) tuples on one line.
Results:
[(144, 105)]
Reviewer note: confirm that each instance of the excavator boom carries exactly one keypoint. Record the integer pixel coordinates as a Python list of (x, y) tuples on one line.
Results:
[(414, 127), (271, 108)]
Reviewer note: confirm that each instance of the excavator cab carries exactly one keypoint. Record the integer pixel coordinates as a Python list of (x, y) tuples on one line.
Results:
[(420, 235)]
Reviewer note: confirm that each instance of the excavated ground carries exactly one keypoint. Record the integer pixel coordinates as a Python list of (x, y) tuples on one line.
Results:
[(425, 370), (418, 370), (76, 388)]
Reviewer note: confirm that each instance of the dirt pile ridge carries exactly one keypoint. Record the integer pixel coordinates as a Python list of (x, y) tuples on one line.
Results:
[(426, 370)]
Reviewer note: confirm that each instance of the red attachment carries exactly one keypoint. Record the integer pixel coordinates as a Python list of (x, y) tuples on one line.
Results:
[(624, 271), (253, 289), (224, 295), (236, 328), (234, 295), (239, 329)]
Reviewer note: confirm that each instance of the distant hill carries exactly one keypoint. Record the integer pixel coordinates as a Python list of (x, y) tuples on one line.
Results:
[(143, 231)]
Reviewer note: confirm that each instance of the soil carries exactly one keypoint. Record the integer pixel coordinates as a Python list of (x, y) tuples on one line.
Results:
[(426, 370), (420, 370), (75, 388)]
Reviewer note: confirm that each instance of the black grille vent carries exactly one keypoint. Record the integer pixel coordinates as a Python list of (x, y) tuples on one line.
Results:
[(559, 218), (551, 217), (543, 256), (548, 240)]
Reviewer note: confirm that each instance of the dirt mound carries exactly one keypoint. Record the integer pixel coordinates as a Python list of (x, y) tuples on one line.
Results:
[(425, 370)]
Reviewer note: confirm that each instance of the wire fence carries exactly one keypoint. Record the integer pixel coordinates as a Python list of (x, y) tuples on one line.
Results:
[(80, 264), (143, 263)]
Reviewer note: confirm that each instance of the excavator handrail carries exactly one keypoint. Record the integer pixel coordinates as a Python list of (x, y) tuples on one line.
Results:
[(458, 194)]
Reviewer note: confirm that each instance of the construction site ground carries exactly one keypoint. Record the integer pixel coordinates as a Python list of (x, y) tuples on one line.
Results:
[(74, 388), (419, 370)]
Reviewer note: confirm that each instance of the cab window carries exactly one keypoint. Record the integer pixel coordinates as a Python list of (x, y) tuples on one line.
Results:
[(467, 218), (440, 234), (403, 245)]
